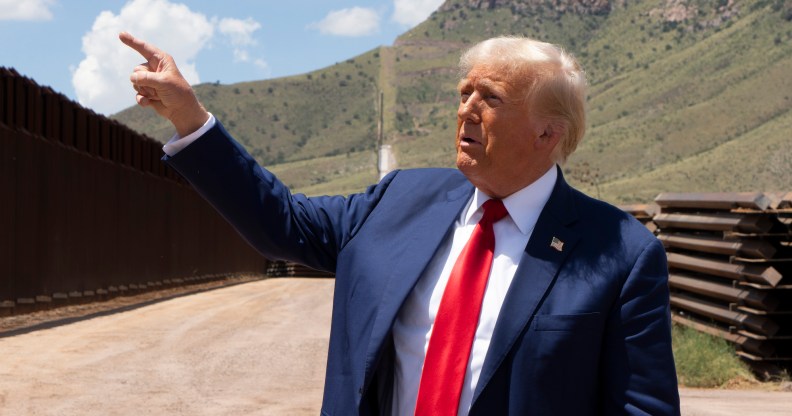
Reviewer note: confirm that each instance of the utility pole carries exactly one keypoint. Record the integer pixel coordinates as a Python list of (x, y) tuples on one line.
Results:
[(386, 162), (380, 121)]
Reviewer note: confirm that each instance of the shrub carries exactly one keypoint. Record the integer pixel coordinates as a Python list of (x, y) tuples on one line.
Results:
[(703, 360)]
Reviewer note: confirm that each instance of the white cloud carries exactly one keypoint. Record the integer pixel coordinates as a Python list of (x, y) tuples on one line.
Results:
[(26, 9), (101, 80), (263, 66), (241, 55), (412, 12), (355, 21), (240, 34)]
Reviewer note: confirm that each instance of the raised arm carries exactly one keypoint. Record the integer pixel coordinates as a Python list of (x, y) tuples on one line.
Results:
[(278, 224), (160, 85)]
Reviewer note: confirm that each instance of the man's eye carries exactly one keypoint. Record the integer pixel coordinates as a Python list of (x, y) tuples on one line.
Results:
[(493, 97), (464, 96)]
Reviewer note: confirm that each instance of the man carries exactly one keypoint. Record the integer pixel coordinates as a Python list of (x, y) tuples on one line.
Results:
[(492, 289)]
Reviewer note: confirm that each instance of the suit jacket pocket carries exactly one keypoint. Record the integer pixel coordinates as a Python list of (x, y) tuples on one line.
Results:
[(574, 322)]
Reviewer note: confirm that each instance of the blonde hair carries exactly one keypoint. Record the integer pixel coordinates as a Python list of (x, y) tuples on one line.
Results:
[(556, 84)]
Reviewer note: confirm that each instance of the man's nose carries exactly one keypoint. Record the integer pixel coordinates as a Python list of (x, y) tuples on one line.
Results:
[(469, 110)]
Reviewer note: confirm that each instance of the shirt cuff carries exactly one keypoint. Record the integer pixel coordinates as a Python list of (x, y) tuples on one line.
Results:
[(176, 143)]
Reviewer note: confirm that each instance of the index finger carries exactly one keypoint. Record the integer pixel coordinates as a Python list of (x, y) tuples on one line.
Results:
[(147, 50)]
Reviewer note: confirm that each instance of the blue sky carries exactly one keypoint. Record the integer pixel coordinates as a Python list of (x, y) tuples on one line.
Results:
[(72, 45)]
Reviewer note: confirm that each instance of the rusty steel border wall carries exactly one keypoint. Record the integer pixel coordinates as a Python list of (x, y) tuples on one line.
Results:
[(87, 209), (730, 266)]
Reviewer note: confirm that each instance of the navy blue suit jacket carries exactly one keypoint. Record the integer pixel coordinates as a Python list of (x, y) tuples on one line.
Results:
[(583, 331)]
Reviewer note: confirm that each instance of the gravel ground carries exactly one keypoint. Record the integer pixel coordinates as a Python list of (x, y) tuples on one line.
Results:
[(257, 348), (252, 349), (706, 402)]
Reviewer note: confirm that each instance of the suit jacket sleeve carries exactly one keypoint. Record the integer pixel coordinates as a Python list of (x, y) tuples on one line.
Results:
[(637, 360), (278, 224)]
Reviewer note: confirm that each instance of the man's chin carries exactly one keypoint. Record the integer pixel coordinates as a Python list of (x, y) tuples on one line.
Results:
[(466, 164)]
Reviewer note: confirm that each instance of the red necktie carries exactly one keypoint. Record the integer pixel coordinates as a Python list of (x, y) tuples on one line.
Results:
[(457, 318)]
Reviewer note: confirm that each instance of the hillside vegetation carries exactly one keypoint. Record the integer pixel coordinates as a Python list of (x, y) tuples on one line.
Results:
[(685, 95)]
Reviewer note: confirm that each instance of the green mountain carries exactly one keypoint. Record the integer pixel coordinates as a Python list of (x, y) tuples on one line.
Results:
[(685, 95)]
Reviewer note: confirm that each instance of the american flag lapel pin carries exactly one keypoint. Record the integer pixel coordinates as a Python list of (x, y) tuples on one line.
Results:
[(557, 244)]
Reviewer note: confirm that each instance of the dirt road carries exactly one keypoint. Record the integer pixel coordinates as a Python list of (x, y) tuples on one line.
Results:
[(252, 349), (701, 402)]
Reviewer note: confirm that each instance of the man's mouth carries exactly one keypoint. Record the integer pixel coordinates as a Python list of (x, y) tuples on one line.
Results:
[(470, 140)]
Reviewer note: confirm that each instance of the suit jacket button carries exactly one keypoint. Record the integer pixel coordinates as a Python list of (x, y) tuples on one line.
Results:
[(360, 390)]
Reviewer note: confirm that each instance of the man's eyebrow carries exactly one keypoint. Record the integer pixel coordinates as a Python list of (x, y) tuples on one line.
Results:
[(490, 85), (482, 83)]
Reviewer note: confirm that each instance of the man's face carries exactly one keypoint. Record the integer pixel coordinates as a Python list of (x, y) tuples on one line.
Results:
[(500, 146)]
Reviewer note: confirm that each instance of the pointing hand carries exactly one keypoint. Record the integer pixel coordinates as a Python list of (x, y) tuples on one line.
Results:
[(160, 85)]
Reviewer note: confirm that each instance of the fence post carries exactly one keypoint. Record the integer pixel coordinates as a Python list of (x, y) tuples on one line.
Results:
[(19, 102), (106, 138), (6, 93), (33, 108), (51, 115), (8, 143), (81, 130), (92, 133), (67, 122)]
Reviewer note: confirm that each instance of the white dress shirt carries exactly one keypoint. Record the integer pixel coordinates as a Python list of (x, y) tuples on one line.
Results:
[(176, 143), (413, 326)]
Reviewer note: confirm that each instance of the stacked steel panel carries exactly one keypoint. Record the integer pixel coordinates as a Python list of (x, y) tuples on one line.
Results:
[(288, 269), (730, 264), (644, 213)]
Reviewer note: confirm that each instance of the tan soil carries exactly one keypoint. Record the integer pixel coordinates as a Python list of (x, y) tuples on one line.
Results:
[(253, 349), (707, 402), (130, 300)]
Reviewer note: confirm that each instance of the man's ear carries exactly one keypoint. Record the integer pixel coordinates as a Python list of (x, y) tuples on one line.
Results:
[(551, 135)]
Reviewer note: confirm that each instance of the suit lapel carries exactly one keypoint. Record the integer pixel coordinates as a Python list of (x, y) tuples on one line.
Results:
[(427, 234), (535, 275)]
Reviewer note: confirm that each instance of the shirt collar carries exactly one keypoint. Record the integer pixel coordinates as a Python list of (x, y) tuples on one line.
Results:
[(524, 206)]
